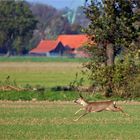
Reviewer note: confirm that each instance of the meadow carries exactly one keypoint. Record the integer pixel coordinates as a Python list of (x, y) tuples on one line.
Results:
[(45, 120), (40, 73), (54, 121), (40, 59)]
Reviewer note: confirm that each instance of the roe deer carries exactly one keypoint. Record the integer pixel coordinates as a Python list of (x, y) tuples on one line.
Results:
[(96, 106)]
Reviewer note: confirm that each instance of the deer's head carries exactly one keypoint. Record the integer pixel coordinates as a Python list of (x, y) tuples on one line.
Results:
[(81, 101)]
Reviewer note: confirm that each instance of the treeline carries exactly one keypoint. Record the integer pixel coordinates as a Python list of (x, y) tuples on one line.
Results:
[(23, 25)]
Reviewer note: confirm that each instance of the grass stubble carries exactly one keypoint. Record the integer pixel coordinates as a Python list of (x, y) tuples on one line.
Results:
[(54, 120)]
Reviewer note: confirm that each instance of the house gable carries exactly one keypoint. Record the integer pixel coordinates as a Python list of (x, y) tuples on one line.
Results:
[(59, 50), (73, 41)]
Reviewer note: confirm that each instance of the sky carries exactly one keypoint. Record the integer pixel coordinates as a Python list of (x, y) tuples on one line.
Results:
[(59, 4)]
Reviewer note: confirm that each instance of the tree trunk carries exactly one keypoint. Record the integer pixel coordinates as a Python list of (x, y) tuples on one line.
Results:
[(110, 54), (109, 62), (8, 53), (9, 46)]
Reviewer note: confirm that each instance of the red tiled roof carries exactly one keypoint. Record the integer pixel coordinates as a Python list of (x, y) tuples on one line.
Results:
[(45, 46), (73, 41)]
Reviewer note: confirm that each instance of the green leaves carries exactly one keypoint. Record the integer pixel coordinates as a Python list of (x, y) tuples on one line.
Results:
[(112, 20), (113, 23), (16, 21)]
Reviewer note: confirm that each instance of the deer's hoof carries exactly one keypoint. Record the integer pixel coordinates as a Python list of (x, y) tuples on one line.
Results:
[(75, 120)]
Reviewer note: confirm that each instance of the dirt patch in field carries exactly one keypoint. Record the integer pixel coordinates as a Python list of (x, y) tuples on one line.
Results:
[(40, 65), (57, 102)]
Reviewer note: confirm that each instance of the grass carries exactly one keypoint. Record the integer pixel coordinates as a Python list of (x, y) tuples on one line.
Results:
[(44, 74), (40, 59), (34, 120), (30, 95), (40, 73), (54, 121), (51, 95)]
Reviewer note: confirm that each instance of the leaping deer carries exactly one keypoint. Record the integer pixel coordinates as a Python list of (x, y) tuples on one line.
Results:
[(96, 106)]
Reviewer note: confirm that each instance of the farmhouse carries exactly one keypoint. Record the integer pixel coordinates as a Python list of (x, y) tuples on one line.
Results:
[(68, 45), (48, 48)]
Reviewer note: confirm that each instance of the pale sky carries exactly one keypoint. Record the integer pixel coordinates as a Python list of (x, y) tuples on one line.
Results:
[(61, 3)]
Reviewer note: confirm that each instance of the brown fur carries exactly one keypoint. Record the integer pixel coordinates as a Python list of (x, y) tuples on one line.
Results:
[(97, 106)]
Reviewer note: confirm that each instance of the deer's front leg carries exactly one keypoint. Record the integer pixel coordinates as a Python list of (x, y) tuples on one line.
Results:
[(81, 116), (78, 110)]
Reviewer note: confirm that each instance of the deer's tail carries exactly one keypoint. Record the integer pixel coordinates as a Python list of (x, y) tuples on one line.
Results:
[(114, 103)]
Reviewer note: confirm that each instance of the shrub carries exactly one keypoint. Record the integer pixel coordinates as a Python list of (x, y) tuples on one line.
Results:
[(117, 80)]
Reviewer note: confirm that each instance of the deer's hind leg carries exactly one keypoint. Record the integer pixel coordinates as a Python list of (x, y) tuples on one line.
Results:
[(118, 109)]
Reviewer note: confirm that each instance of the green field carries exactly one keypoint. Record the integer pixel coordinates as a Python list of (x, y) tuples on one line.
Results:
[(43, 120), (40, 59), (54, 121), (45, 74), (40, 73)]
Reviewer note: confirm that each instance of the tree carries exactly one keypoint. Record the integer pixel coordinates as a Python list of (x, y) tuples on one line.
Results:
[(44, 14), (52, 22), (16, 25), (112, 27)]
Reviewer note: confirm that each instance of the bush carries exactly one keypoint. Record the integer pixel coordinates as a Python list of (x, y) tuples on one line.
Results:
[(117, 80)]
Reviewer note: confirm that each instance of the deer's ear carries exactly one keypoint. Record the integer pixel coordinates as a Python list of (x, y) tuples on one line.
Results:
[(81, 96)]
